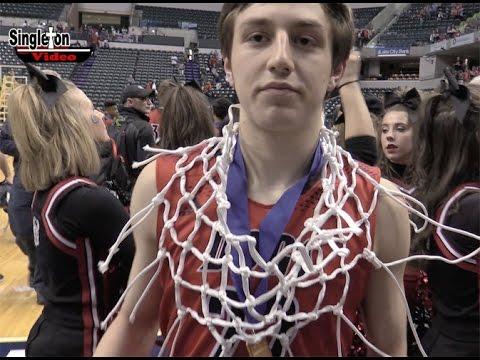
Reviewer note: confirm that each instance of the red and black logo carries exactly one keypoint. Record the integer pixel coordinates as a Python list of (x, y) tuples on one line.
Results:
[(46, 47)]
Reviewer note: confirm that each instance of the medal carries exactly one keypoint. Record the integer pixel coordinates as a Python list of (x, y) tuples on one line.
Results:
[(259, 349)]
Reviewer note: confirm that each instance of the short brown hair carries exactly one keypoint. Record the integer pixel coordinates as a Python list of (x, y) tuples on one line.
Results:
[(339, 15), (186, 118)]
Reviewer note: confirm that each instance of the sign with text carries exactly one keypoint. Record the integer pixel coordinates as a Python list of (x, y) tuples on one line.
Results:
[(48, 46), (393, 51)]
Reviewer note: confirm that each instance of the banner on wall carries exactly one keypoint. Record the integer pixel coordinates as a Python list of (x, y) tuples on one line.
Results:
[(188, 25), (440, 45), (393, 51), (463, 40)]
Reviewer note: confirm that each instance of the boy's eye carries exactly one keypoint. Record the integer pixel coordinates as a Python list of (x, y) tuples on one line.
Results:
[(304, 40), (257, 38)]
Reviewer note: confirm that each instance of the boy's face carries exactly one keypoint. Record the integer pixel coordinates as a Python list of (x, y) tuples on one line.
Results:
[(281, 64)]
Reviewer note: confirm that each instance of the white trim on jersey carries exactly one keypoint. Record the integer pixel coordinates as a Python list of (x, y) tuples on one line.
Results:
[(93, 293), (59, 191)]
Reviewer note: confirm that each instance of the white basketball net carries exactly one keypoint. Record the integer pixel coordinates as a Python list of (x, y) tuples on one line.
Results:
[(312, 238)]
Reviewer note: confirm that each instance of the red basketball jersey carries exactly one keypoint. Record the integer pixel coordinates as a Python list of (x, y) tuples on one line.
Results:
[(318, 338)]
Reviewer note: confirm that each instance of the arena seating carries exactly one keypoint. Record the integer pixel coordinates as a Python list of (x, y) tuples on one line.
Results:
[(155, 65), (171, 17), (49, 11), (105, 76), (408, 29), (207, 20), (363, 16)]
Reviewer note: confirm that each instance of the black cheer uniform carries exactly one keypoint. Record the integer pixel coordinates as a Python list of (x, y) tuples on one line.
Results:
[(455, 288), (75, 223)]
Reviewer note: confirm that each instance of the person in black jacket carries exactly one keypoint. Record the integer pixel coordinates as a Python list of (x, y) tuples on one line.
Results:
[(135, 126)]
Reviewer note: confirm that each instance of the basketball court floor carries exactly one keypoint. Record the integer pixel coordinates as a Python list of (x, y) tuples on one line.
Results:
[(18, 302)]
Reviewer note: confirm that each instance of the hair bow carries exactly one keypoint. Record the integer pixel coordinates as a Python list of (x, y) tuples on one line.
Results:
[(51, 86), (411, 99), (374, 105), (457, 94), (192, 83), (195, 84)]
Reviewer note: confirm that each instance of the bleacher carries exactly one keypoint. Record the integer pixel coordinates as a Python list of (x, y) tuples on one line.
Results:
[(49, 11), (408, 30), (105, 76), (364, 15), (172, 17), (155, 65), (207, 20), (226, 90)]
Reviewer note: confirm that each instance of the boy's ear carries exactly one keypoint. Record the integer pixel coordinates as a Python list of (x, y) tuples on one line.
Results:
[(336, 75), (228, 72)]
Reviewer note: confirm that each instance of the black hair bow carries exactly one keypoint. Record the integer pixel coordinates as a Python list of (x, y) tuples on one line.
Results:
[(457, 94), (192, 83), (195, 84), (374, 105), (51, 86), (410, 100)]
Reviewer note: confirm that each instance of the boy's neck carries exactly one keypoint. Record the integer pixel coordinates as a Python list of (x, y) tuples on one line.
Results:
[(275, 161)]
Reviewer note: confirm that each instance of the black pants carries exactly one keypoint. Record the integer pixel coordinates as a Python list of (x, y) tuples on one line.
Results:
[(49, 339), (26, 245)]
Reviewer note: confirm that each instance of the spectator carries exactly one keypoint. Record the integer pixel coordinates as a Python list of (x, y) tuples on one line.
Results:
[(154, 87), (174, 62), (461, 12), (130, 80), (149, 84), (220, 112), (465, 64), (455, 31), (458, 64), (450, 32), (454, 11), (112, 117), (19, 212), (440, 14), (186, 116), (181, 69), (134, 109)]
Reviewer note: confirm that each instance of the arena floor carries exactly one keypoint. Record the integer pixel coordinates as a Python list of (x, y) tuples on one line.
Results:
[(18, 302)]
